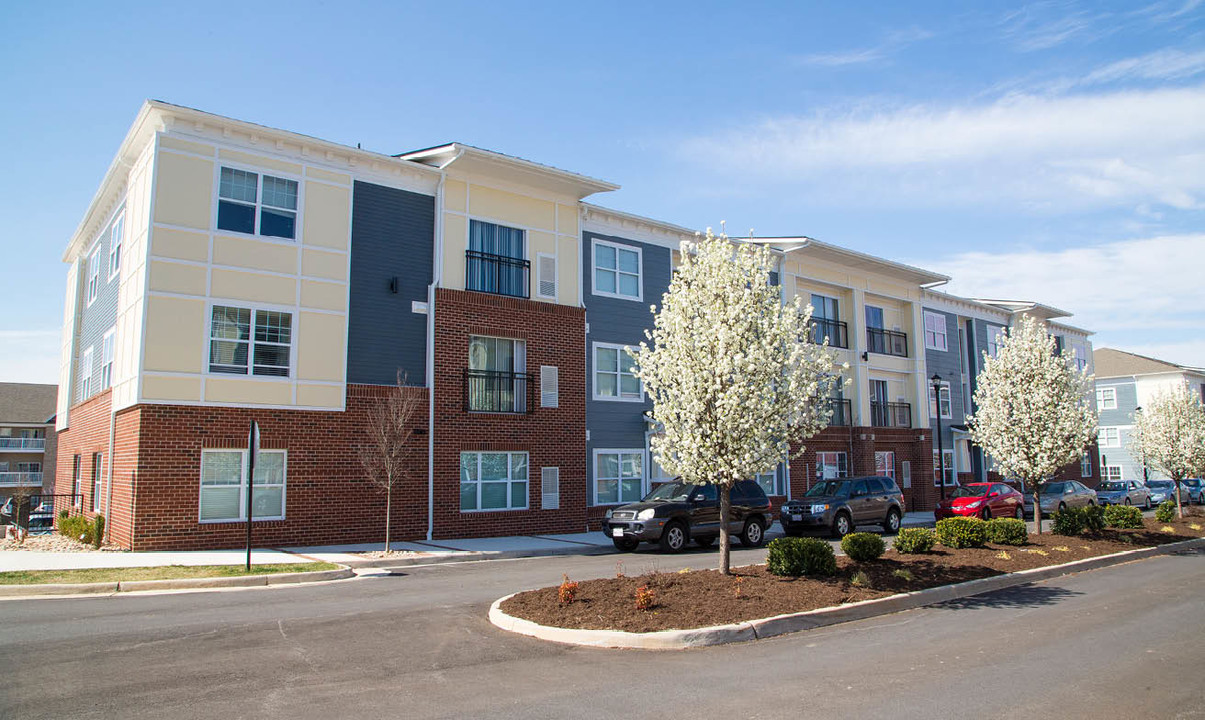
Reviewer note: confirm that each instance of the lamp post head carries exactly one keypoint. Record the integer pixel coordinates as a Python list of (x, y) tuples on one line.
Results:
[(936, 379)]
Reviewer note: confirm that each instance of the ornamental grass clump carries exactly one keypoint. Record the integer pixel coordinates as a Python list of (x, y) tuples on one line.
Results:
[(914, 541), (792, 557), (961, 532), (862, 546), (1007, 531)]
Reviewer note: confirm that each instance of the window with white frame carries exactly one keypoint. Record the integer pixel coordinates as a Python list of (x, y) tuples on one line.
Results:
[(257, 204), (1106, 398), (947, 465), (935, 332), (1108, 437), (618, 476), (85, 375), (884, 464), (93, 275), (769, 482), (493, 481), (617, 270), (242, 340), (657, 474), (942, 397), (1085, 465), (115, 238), (98, 464), (994, 335), (496, 378), (106, 359), (1111, 472), (77, 469), (831, 465), (223, 494), (615, 374)]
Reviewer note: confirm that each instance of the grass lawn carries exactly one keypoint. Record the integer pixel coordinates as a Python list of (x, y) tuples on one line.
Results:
[(167, 572)]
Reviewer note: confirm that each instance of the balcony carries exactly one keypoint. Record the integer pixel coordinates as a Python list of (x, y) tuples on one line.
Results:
[(496, 392), (842, 413), (20, 479), (21, 443), (886, 342), (496, 274), (836, 331), (890, 415)]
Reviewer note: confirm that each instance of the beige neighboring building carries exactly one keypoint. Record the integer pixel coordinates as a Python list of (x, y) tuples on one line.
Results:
[(27, 438)]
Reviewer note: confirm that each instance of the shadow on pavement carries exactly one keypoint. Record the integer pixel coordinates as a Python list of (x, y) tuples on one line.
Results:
[(1022, 596)]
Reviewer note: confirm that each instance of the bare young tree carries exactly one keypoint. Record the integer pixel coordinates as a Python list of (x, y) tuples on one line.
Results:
[(387, 454), (22, 510)]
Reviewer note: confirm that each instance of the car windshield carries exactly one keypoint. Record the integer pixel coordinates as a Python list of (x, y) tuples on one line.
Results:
[(1160, 484), (1112, 486), (829, 487), (1053, 489), (670, 492), (970, 491)]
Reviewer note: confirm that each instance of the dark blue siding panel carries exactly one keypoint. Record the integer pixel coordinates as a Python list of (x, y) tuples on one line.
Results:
[(949, 367), (392, 235)]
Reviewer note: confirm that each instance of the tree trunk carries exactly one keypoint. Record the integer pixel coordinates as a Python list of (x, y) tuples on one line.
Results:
[(725, 510), (388, 513), (1037, 508), (1179, 507)]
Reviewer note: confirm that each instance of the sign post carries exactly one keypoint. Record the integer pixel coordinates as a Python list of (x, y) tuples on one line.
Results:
[(252, 452)]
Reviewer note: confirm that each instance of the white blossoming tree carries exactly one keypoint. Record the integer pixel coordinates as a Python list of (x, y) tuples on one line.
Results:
[(1035, 414), (732, 373), (1169, 434)]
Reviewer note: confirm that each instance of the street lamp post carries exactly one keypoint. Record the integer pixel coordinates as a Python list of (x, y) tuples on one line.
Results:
[(941, 450)]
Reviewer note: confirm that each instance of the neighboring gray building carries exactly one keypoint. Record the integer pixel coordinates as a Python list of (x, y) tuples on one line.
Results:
[(27, 437)]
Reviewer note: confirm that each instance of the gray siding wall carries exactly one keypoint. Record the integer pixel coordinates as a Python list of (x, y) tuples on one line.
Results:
[(99, 317), (1127, 400), (949, 367), (392, 235)]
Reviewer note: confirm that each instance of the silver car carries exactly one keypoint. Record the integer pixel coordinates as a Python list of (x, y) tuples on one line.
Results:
[(1060, 495), (1162, 491), (1193, 491), (1124, 492)]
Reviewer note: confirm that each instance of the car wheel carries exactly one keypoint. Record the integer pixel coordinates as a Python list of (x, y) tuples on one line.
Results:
[(704, 542), (1148, 502), (986, 514), (673, 538), (892, 523), (1020, 514), (753, 534), (625, 544), (842, 525), (1127, 501), (1091, 503)]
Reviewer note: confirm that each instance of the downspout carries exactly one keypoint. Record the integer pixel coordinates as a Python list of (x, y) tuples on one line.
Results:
[(109, 479)]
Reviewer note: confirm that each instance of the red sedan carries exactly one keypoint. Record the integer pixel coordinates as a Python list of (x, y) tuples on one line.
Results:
[(985, 500)]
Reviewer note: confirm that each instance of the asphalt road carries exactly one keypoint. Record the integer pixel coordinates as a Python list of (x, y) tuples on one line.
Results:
[(1123, 642)]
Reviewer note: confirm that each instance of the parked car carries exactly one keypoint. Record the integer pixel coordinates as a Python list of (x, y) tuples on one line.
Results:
[(1193, 490), (985, 500), (1161, 490), (1061, 495), (1124, 492), (840, 505), (37, 520), (676, 513)]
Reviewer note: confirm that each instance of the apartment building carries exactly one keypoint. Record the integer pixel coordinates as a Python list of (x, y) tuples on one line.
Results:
[(1125, 382), (27, 438)]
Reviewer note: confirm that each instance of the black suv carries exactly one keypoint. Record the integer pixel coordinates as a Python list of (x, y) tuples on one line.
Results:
[(676, 513), (840, 505)]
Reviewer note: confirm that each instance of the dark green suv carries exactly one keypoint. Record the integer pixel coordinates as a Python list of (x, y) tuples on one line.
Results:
[(676, 513)]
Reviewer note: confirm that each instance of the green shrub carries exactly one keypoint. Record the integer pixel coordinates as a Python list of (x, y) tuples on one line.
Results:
[(1094, 518), (1007, 531), (862, 546), (912, 541), (961, 532), (63, 514), (1123, 516), (77, 527), (792, 557), (1069, 521), (1166, 512), (98, 531)]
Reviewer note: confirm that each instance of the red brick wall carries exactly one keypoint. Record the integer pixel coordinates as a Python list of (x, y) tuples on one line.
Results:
[(860, 445), (553, 437), (87, 433)]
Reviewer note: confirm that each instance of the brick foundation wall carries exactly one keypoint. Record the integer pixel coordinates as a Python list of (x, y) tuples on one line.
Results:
[(860, 445), (553, 437), (87, 434)]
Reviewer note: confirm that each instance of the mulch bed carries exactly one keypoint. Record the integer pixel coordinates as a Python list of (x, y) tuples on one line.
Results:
[(700, 598)]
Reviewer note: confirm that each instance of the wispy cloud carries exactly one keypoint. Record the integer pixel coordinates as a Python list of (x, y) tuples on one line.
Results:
[(29, 356), (1045, 25), (1168, 64), (894, 42)]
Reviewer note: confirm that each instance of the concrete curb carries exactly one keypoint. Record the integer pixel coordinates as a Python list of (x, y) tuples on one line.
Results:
[(797, 622), (476, 556), (108, 588)]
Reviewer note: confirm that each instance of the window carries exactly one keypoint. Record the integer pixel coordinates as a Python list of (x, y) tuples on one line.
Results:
[(948, 466), (106, 359), (493, 481), (1108, 437), (1085, 465), (617, 270), (98, 462), (249, 203), (93, 274), (657, 474), (495, 380), (994, 334), (615, 374), (874, 317), (233, 340), (831, 465), (935, 332), (1111, 472), (223, 496), (1106, 398), (825, 308), (884, 464), (769, 482), (115, 237), (496, 261), (85, 375), (943, 398), (76, 477), (618, 476)]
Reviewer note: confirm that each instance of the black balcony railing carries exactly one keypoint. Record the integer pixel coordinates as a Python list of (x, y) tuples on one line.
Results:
[(836, 331), (494, 391), (497, 274), (890, 414), (887, 342), (842, 412)]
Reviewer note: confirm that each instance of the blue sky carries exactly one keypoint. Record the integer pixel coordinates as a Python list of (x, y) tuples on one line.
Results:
[(1049, 150)]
